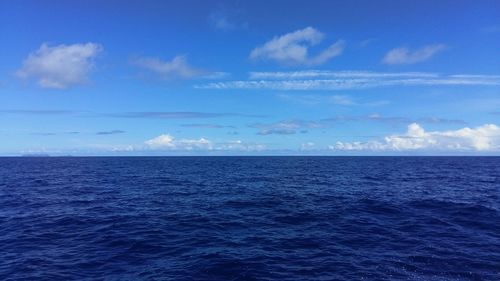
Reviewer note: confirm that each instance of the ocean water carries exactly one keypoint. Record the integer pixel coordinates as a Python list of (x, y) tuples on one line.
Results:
[(250, 218)]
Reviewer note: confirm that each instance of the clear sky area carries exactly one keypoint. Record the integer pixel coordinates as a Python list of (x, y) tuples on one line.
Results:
[(250, 77)]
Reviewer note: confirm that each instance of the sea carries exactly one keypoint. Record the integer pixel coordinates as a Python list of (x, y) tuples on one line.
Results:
[(250, 218)]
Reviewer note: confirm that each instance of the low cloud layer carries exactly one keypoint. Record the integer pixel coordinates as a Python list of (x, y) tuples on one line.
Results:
[(61, 66), (167, 142), (485, 138), (286, 127)]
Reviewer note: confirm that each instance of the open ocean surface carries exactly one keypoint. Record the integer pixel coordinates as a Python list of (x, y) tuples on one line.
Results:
[(250, 218)]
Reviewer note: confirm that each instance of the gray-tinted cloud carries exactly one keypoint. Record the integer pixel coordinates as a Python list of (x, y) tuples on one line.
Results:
[(207, 126), (36, 112), (404, 55), (177, 68), (286, 127), (112, 132)]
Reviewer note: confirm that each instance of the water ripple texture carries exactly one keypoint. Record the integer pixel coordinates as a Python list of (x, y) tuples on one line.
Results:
[(250, 218)]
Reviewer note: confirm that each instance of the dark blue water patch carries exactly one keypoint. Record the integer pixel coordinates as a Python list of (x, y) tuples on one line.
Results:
[(250, 218)]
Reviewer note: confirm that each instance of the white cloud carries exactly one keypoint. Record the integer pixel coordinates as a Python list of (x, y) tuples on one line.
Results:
[(349, 80), (168, 142), (404, 55), (480, 139), (177, 68), (328, 74), (60, 66), (293, 48), (307, 146), (239, 145)]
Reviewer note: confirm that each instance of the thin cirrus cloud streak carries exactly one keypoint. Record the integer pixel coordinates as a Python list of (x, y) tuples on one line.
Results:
[(391, 119), (61, 66), (349, 80), (207, 126), (177, 68), (290, 127), (343, 100), (178, 115), (404, 55), (293, 48), (112, 132), (37, 112), (485, 138)]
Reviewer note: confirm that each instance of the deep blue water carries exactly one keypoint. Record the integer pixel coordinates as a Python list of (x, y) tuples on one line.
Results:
[(250, 218)]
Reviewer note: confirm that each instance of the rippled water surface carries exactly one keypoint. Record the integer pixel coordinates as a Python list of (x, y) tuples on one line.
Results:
[(250, 218)]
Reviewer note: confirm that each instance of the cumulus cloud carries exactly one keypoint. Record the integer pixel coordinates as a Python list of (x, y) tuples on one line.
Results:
[(392, 119), (168, 142), (177, 68), (480, 139), (293, 48), (404, 55), (60, 66)]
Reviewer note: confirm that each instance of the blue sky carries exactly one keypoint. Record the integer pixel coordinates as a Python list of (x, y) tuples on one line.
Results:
[(249, 77)]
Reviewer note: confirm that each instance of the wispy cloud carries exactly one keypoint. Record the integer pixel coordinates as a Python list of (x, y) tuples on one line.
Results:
[(112, 132), (293, 48), (404, 55), (177, 68), (55, 134), (290, 127), (286, 127), (343, 100), (392, 119), (482, 138), (349, 80), (327, 74), (226, 20), (207, 126), (177, 115), (36, 112), (61, 66)]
